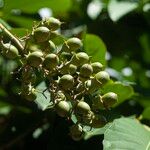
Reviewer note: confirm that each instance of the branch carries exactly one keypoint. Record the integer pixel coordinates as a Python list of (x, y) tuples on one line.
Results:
[(12, 37)]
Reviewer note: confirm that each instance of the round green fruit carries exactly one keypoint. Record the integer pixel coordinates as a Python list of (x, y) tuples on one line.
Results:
[(79, 59), (35, 59), (82, 108), (72, 69), (51, 61), (109, 99), (62, 108), (86, 70), (66, 82), (10, 51), (72, 44), (102, 77), (76, 132), (41, 34), (52, 23), (97, 67)]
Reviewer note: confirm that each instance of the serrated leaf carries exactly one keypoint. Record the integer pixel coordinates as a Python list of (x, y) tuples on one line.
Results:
[(118, 9), (123, 91), (126, 134), (95, 47), (41, 101)]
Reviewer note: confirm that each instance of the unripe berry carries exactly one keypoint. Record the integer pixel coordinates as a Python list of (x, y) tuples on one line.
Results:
[(97, 67), (109, 99), (72, 44), (62, 108), (79, 59), (72, 69), (76, 132), (66, 82), (9, 51), (41, 34), (52, 23), (86, 70), (82, 108), (51, 61), (102, 77), (35, 59)]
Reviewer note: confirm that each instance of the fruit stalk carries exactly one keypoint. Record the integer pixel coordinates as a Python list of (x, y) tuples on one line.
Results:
[(13, 38)]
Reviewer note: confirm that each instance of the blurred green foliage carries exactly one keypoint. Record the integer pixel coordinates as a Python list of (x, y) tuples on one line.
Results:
[(120, 26)]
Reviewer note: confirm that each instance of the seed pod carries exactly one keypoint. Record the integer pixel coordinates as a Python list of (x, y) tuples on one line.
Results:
[(97, 67), (51, 61), (62, 108), (72, 44), (109, 99), (79, 59), (76, 132), (86, 70), (41, 34), (35, 59), (52, 23), (9, 51), (82, 108), (66, 82), (102, 77)]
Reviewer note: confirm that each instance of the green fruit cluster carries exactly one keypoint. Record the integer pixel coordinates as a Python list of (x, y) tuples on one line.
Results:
[(74, 81)]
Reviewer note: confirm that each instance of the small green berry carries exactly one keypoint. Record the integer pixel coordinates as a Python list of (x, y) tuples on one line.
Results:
[(97, 67), (86, 70), (102, 77), (109, 99), (66, 82), (52, 23), (72, 69), (62, 108), (82, 108), (72, 44), (10, 51), (79, 59), (51, 61), (35, 59), (41, 34), (76, 132)]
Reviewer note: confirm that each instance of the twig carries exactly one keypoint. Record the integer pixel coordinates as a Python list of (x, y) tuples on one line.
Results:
[(12, 37)]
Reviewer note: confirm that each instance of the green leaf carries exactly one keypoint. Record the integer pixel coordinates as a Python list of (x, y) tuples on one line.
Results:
[(126, 134), (123, 91), (41, 101), (25, 5), (146, 113), (19, 32), (95, 47), (118, 9)]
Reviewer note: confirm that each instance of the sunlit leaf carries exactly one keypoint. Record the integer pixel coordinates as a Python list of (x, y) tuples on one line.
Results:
[(95, 47), (127, 134)]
